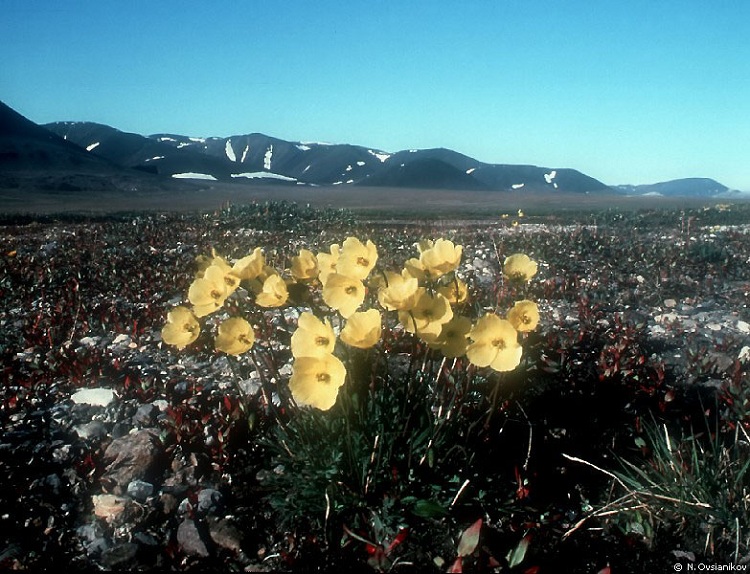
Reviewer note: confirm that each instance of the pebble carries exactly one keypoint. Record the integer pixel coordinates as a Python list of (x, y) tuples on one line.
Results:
[(93, 430), (140, 490), (120, 557), (209, 501), (190, 539), (145, 415), (138, 455), (110, 507)]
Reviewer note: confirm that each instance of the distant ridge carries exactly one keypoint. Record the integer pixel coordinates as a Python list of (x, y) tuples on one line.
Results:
[(63, 150)]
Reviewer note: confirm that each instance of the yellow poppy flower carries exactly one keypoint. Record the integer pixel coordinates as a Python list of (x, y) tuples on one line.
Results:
[(235, 336), (428, 315), (494, 344), (327, 262), (345, 294), (181, 329), (524, 316), (443, 257), (274, 292), (519, 266), (304, 266), (455, 291), (357, 259), (207, 293), (415, 268), (315, 381), (313, 337), (362, 329), (250, 266), (401, 291), (452, 340)]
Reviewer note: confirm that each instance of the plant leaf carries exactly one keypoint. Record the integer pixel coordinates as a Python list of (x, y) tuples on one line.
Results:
[(516, 556), (469, 539)]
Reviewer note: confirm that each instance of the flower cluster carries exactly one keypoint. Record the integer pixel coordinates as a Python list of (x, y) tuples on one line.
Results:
[(425, 298)]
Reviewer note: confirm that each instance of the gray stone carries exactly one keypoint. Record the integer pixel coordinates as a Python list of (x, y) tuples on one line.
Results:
[(91, 431), (225, 534), (120, 557), (136, 456), (209, 501), (140, 490), (145, 415), (190, 539), (95, 397)]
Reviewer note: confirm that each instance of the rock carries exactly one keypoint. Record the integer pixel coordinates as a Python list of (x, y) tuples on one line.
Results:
[(670, 303), (95, 397), (743, 326), (110, 507), (190, 539), (137, 456), (140, 490), (225, 534), (145, 415), (91, 431), (92, 538), (121, 429), (120, 557), (209, 501)]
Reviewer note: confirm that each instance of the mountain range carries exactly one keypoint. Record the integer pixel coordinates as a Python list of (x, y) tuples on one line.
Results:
[(65, 151)]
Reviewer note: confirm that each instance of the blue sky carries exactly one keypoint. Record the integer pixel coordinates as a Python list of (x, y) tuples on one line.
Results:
[(634, 91)]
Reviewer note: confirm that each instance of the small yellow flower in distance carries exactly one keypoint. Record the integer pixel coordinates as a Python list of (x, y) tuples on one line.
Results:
[(182, 328), (315, 381), (274, 292), (427, 317), (515, 223), (504, 216), (304, 266), (235, 336), (494, 344), (250, 266), (519, 266), (207, 293), (455, 291), (443, 257), (313, 337), (357, 259), (362, 329), (452, 340), (520, 213), (401, 291), (344, 294), (524, 316), (327, 262)]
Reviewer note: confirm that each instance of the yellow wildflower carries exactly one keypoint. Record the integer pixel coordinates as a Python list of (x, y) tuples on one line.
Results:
[(250, 266), (274, 292), (452, 340), (315, 381), (362, 329), (327, 262), (443, 257), (345, 294), (415, 268), (494, 344), (235, 336), (519, 266), (427, 316), (455, 291), (313, 337), (357, 259), (304, 266), (207, 293), (524, 316), (181, 329), (401, 291)]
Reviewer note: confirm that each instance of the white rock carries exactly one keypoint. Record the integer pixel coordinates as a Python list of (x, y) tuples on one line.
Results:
[(109, 506), (670, 303), (96, 397), (744, 355), (743, 326)]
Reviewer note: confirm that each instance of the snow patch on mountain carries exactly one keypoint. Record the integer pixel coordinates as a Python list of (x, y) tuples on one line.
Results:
[(193, 175), (548, 177), (244, 153), (379, 154), (303, 147), (264, 174), (230, 151), (92, 146), (267, 158), (517, 185)]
